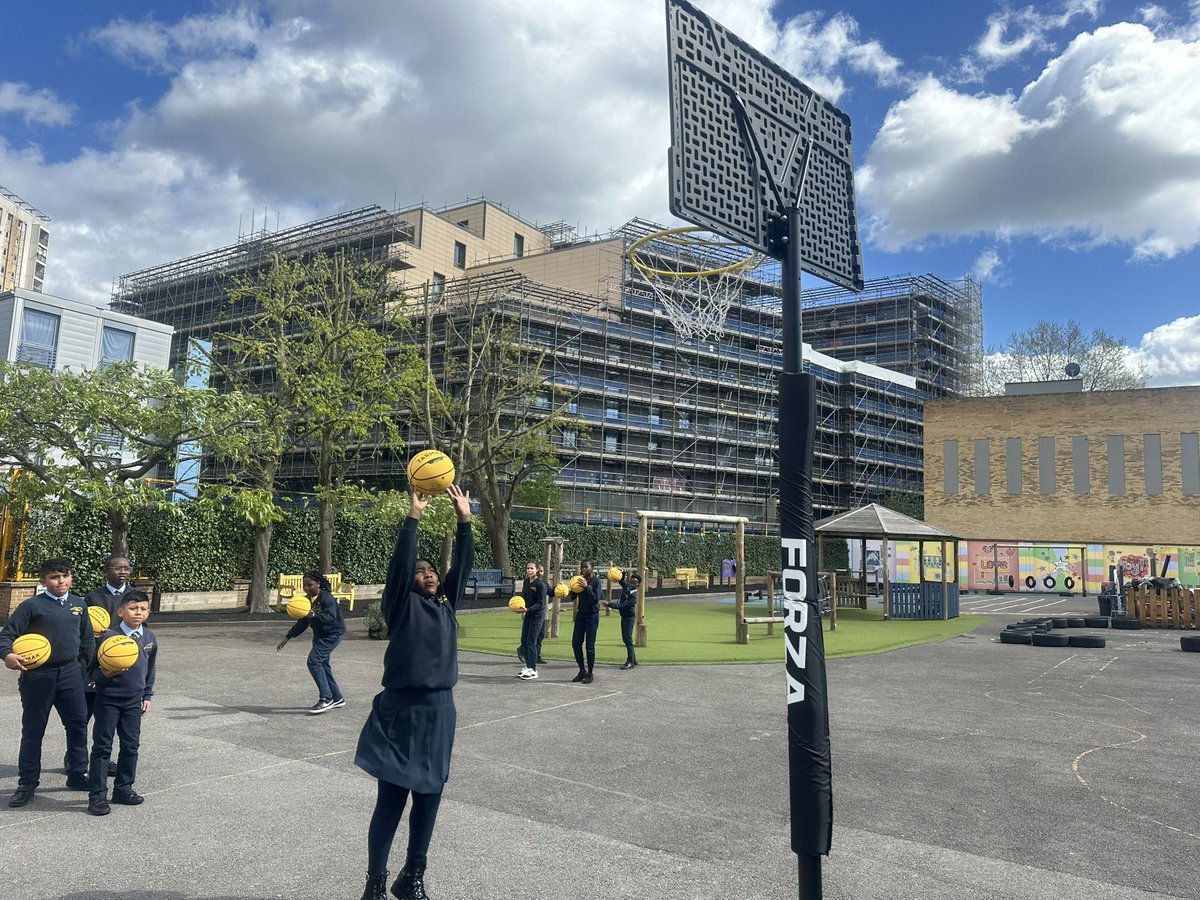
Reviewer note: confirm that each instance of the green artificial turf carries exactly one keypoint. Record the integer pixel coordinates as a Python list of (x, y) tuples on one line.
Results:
[(682, 633)]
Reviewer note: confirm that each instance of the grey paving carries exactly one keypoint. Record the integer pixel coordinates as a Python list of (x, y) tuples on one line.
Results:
[(966, 769)]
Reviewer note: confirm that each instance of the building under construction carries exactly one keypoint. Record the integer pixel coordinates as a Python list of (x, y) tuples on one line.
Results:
[(655, 420)]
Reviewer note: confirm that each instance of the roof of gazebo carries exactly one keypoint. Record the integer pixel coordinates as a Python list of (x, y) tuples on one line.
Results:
[(878, 521)]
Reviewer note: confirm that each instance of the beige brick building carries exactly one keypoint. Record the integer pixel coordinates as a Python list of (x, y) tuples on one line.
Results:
[(1090, 468), (24, 242)]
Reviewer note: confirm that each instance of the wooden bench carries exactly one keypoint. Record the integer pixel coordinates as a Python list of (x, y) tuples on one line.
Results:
[(491, 580), (343, 592), (289, 586), (686, 576)]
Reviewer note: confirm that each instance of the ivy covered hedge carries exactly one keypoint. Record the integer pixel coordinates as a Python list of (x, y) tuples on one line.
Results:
[(198, 547)]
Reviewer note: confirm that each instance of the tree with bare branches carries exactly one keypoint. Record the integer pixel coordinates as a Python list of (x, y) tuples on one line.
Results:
[(1043, 352)]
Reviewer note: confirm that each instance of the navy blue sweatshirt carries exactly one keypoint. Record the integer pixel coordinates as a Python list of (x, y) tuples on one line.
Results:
[(627, 603), (422, 651), (66, 625), (326, 619), (590, 597), (105, 599), (137, 683), (535, 593)]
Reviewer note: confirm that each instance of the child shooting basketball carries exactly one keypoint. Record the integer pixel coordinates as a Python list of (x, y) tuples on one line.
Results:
[(408, 738)]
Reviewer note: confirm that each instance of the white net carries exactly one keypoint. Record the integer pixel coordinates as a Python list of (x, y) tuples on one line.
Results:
[(695, 277)]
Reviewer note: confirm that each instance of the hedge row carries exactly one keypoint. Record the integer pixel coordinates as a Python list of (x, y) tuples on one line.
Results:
[(198, 547)]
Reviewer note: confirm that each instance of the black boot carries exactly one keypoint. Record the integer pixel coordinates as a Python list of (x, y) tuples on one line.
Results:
[(376, 888), (411, 883)]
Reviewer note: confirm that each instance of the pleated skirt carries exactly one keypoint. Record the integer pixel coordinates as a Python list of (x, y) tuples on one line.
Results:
[(408, 739)]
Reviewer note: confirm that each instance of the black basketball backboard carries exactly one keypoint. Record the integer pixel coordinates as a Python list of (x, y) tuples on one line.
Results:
[(750, 142)]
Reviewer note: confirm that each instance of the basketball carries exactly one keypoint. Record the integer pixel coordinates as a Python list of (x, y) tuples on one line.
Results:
[(33, 648), (118, 653), (615, 575), (100, 619), (561, 590), (299, 607), (430, 472), (578, 584), (517, 603)]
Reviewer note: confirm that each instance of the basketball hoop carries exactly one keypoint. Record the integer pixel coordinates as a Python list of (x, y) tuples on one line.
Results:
[(696, 276)]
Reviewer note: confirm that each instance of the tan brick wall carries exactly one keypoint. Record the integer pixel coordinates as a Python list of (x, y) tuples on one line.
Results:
[(1097, 516)]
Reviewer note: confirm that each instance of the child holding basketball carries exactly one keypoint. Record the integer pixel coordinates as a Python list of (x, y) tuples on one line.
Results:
[(121, 701), (408, 738), (587, 622), (61, 617), (532, 620), (626, 605), (328, 629)]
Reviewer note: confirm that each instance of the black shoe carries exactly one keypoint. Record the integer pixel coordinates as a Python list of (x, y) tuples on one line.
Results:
[(128, 798), (376, 888), (541, 662), (587, 679), (411, 883), (98, 806), (78, 783), (338, 703), (582, 675), (22, 795), (319, 707), (629, 665), (521, 655)]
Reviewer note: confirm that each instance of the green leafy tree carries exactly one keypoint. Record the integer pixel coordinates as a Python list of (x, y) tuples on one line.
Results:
[(479, 406), (315, 344), (1043, 352), (98, 437), (907, 503)]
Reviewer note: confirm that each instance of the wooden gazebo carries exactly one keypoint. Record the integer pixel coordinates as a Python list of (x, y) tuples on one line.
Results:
[(933, 600)]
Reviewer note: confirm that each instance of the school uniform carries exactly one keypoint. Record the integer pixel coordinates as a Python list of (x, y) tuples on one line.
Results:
[(626, 605), (587, 622), (119, 711), (409, 736), (534, 620), (108, 599), (328, 628), (58, 683)]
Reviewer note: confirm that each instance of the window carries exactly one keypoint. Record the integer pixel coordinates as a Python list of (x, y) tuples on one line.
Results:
[(652, 445), (115, 346), (983, 466), (460, 255), (1152, 448), (612, 409), (655, 419), (465, 223), (570, 438), (1046, 475), (1080, 466), (1116, 464), (1012, 465), (39, 338), (1189, 446), (541, 400), (950, 467), (518, 246), (612, 442), (437, 286)]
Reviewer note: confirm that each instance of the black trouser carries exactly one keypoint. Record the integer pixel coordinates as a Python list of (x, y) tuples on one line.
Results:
[(585, 629), (627, 637), (125, 720), (531, 631), (41, 689)]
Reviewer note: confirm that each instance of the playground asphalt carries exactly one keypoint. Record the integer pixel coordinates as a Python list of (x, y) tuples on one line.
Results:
[(964, 769)]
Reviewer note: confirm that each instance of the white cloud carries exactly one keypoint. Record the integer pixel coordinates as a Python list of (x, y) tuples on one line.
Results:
[(1011, 33), (988, 267), (157, 46), (35, 106), (1171, 352), (1103, 148)]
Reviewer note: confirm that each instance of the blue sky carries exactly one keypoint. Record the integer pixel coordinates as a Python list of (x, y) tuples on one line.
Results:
[(1051, 150)]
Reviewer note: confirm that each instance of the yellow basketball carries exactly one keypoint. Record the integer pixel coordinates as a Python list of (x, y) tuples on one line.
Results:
[(561, 590), (430, 472), (100, 619), (517, 603), (578, 584), (299, 607), (118, 653), (33, 648), (615, 575)]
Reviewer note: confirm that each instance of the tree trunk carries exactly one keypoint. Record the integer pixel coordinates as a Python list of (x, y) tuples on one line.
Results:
[(260, 587), (495, 518), (326, 516), (120, 532)]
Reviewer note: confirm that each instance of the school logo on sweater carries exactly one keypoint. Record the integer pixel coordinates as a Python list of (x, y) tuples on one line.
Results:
[(77, 610)]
